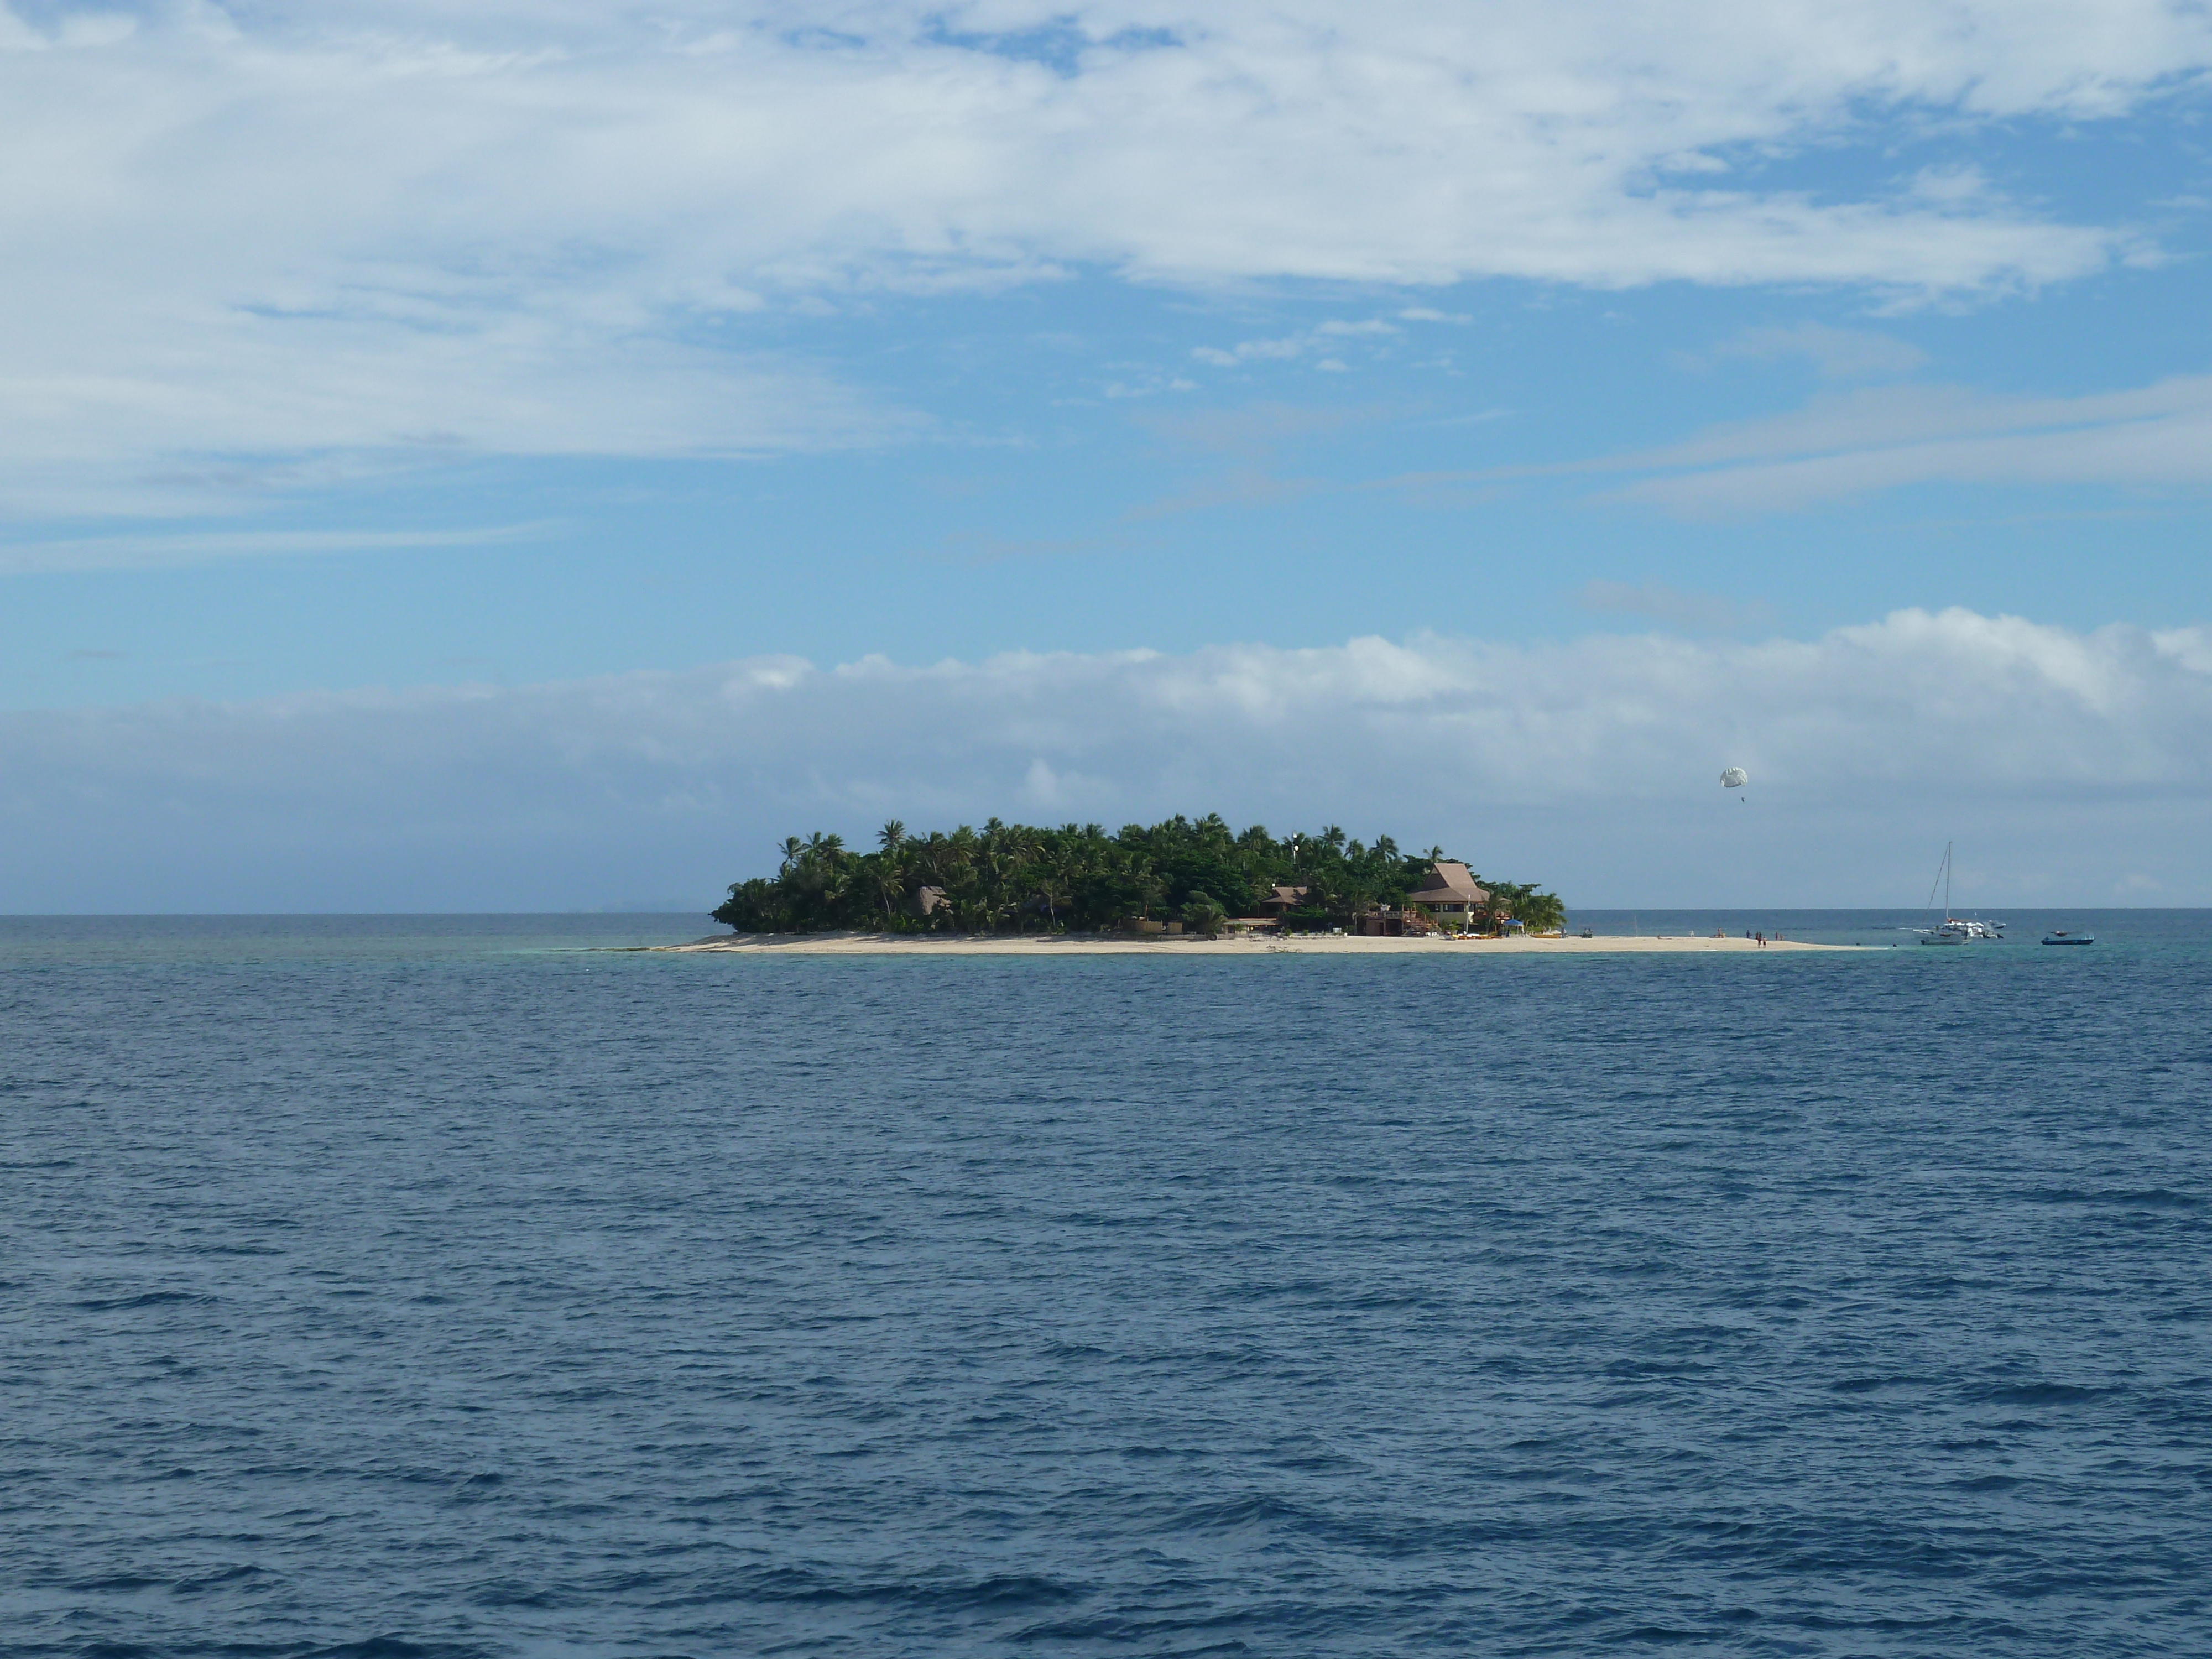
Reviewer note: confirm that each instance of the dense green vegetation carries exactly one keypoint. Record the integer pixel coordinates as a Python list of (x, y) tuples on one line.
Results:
[(1012, 877)]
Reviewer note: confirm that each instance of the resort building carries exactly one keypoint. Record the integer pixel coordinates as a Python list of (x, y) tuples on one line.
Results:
[(1382, 921), (1451, 895)]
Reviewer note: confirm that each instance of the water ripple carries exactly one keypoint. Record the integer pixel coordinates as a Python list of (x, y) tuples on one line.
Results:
[(410, 1305)]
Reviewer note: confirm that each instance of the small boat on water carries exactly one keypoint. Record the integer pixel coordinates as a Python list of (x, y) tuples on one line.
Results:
[(1958, 930), (1955, 930), (2061, 937)]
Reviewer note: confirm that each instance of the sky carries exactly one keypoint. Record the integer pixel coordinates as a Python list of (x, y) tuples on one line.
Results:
[(491, 457)]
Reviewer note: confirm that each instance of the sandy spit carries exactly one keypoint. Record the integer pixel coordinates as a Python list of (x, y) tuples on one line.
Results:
[(1063, 945)]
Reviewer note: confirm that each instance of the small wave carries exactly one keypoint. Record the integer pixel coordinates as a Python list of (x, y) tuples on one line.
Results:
[(1870, 1384), (206, 1582), (2151, 1198), (2039, 1393), (1021, 1590), (505, 1593), (397, 1647), (1123, 1632), (148, 1299), (996, 1591)]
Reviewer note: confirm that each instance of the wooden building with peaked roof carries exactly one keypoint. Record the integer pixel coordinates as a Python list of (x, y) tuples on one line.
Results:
[(1452, 893)]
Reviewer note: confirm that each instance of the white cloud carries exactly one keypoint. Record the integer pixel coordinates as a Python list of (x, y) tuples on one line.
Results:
[(166, 404), (2086, 758), (1328, 336), (278, 231)]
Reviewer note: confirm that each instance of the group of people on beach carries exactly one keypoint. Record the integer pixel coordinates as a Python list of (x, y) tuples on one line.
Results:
[(1748, 933)]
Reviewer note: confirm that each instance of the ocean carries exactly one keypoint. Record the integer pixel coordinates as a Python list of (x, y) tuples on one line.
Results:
[(438, 1287)]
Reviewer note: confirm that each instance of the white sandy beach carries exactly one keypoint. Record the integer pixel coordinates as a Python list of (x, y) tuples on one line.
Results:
[(1064, 944)]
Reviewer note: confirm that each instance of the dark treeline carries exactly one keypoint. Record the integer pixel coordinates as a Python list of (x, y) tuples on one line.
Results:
[(1014, 877)]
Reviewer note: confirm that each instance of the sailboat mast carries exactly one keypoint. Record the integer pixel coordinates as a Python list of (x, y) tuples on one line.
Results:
[(1946, 881)]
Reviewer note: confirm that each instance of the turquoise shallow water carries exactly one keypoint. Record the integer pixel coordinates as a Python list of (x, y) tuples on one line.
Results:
[(2130, 934), (397, 1286)]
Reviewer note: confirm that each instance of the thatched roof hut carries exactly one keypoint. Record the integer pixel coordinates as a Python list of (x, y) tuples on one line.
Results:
[(1451, 887)]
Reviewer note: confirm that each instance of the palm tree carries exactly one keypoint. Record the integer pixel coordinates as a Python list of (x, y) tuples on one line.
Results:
[(934, 861), (1204, 913), (1010, 871), (995, 851), (1541, 913), (1052, 892), (1151, 889), (974, 913), (891, 886)]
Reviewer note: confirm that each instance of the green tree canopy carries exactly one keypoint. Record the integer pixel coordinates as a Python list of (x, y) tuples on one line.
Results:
[(1013, 878)]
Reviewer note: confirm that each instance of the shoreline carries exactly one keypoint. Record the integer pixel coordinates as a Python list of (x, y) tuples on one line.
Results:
[(1067, 945)]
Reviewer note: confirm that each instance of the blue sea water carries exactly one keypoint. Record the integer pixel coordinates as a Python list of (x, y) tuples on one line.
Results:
[(386, 1287)]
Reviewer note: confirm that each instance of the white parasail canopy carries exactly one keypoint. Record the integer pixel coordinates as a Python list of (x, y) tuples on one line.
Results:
[(1734, 778)]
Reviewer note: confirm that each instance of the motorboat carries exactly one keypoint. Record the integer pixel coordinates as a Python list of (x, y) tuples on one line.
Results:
[(1955, 930), (2061, 937)]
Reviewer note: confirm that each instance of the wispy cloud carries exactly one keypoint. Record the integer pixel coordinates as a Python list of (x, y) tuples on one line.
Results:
[(159, 551), (1838, 353), (1251, 432), (1590, 762), (1875, 438), (1872, 439), (1328, 336), (265, 234), (1251, 437)]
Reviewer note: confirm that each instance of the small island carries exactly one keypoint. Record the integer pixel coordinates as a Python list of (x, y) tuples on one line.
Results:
[(1184, 886), (1179, 878)]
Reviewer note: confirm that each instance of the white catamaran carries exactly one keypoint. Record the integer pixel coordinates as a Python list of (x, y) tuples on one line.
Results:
[(1954, 930)]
